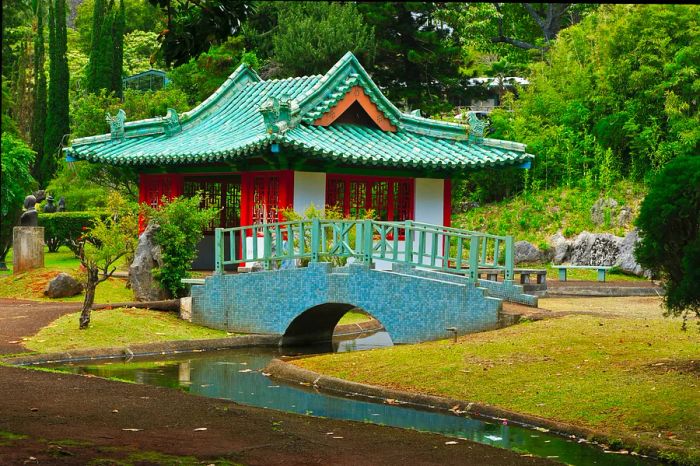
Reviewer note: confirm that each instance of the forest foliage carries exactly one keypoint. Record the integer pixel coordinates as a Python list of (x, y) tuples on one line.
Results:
[(612, 95)]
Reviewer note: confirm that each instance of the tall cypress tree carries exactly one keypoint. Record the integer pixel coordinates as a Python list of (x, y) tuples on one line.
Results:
[(118, 55), (57, 117), (106, 48), (39, 117)]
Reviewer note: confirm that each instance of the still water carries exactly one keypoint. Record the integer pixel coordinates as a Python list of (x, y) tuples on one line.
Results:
[(238, 375)]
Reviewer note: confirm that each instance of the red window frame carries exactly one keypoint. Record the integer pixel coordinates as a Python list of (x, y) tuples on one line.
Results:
[(152, 188), (392, 198), (265, 194)]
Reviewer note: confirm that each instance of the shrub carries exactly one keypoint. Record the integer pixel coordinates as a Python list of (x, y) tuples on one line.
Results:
[(64, 228), (669, 228), (181, 222)]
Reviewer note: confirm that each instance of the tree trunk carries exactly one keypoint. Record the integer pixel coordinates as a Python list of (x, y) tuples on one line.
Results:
[(90, 287)]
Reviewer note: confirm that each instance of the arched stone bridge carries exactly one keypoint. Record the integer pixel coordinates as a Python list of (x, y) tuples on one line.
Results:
[(304, 304)]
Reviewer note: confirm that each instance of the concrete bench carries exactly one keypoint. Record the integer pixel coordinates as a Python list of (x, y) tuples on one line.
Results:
[(602, 270), (540, 275)]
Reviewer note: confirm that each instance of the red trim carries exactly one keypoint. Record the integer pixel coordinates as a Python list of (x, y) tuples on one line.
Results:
[(152, 188), (447, 203), (356, 94), (284, 180), (332, 181)]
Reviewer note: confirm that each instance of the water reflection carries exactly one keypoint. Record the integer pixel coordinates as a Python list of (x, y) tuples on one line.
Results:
[(238, 375)]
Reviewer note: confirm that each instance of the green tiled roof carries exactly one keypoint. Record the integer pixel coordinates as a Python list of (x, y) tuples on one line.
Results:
[(246, 114)]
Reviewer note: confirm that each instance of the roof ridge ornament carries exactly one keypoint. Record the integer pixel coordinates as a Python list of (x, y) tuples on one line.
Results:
[(171, 122), (477, 127), (116, 124), (279, 114)]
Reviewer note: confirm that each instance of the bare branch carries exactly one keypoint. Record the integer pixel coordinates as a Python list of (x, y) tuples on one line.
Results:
[(517, 43)]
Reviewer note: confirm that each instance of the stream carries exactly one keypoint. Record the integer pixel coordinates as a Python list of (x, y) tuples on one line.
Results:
[(237, 375)]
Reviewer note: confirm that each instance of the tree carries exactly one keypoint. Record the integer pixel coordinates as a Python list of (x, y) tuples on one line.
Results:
[(39, 116), (57, 116), (140, 15), (15, 183), (106, 63), (201, 76), (669, 228), (193, 26), (312, 36), (417, 57), (180, 224), (102, 246)]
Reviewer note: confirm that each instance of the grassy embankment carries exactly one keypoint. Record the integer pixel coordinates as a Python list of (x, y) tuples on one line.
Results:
[(536, 216), (31, 284), (624, 371), (116, 327)]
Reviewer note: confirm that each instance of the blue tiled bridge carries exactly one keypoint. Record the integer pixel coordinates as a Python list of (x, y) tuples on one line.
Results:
[(417, 279)]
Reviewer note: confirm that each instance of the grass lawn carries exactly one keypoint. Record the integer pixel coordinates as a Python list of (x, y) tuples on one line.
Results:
[(354, 317), (31, 284), (116, 327), (623, 371)]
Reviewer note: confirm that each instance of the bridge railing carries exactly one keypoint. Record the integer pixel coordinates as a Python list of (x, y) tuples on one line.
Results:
[(413, 243)]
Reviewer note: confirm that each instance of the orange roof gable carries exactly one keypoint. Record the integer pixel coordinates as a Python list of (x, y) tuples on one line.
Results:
[(356, 94)]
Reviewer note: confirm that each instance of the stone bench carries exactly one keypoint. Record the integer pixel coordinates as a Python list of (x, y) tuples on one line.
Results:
[(540, 275), (540, 282), (602, 270)]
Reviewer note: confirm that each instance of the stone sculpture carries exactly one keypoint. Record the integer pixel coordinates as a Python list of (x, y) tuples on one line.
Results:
[(30, 218), (49, 208), (61, 204)]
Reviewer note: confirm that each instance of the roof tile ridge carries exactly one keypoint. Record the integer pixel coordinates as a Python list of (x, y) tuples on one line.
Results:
[(240, 77)]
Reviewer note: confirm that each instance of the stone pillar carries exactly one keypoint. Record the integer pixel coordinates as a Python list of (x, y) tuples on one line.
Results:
[(27, 248)]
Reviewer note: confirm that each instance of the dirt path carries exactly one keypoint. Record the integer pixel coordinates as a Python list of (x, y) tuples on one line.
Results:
[(22, 318), (71, 419)]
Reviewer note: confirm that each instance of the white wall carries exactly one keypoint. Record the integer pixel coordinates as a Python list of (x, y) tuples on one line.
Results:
[(429, 206), (429, 201), (309, 187)]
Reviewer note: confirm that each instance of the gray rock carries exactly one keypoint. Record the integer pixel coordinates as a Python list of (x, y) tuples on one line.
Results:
[(626, 260), (524, 252), (624, 217), (600, 207), (146, 258), (595, 249), (561, 248), (63, 286)]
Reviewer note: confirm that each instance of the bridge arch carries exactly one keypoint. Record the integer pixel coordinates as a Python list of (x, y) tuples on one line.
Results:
[(316, 324)]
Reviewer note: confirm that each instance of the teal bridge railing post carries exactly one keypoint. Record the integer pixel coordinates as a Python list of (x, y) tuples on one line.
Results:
[(219, 250), (509, 258), (474, 259), (315, 239), (368, 247)]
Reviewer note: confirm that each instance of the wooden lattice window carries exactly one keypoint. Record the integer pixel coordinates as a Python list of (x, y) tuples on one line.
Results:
[(223, 194), (265, 196), (390, 198)]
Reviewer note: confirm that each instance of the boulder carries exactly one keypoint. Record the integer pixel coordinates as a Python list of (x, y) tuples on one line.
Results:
[(595, 249), (624, 217), (524, 251), (147, 257), (626, 260), (600, 207), (63, 286), (561, 248)]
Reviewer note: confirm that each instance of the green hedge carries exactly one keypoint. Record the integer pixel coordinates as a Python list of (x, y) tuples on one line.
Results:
[(63, 228)]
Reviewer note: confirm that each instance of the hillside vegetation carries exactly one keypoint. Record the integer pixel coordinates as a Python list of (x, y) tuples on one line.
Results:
[(535, 216)]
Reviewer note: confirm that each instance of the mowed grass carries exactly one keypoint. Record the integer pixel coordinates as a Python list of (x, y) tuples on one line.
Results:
[(116, 327), (354, 317), (624, 371), (31, 284)]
